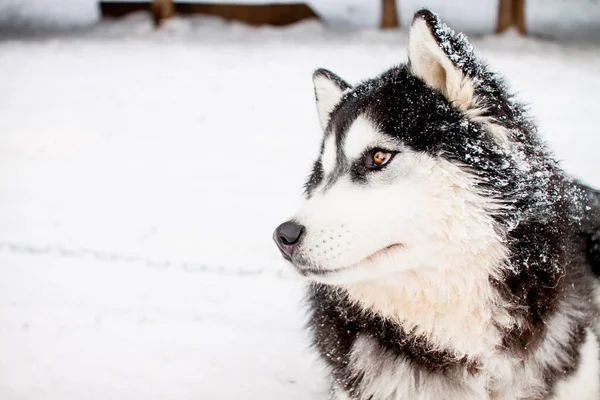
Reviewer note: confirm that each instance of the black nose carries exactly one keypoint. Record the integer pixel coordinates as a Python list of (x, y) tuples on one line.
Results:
[(287, 235)]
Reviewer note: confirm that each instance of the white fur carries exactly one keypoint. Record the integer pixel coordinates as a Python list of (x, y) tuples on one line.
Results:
[(515, 378), (339, 394), (360, 136), (497, 132), (328, 95), (388, 377), (444, 292), (597, 302), (585, 383), (329, 157)]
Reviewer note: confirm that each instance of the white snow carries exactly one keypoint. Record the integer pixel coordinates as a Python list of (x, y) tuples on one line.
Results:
[(48, 14), (141, 176), (566, 19)]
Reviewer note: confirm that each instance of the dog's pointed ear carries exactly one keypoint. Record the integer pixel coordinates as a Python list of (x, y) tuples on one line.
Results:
[(443, 59), (329, 89)]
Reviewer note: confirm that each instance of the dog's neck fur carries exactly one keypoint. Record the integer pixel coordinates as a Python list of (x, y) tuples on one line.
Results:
[(456, 310)]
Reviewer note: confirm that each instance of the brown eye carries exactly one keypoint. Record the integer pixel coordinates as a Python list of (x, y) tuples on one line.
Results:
[(380, 158), (377, 158)]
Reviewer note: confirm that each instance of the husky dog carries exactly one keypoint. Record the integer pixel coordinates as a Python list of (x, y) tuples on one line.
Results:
[(449, 255)]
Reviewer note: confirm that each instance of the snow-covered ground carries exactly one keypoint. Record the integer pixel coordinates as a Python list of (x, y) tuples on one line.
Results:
[(141, 176)]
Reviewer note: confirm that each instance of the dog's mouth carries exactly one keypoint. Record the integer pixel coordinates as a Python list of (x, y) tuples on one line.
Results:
[(322, 272), (382, 252)]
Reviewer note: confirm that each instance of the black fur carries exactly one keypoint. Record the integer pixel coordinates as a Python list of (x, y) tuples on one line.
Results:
[(336, 324), (590, 227), (552, 227)]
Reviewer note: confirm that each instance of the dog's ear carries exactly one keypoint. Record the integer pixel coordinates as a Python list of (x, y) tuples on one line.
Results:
[(329, 89), (443, 59)]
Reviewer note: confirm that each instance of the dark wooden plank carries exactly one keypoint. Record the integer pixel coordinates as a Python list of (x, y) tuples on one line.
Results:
[(272, 14)]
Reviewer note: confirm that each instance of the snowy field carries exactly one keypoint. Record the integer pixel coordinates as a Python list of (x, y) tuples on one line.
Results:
[(142, 174)]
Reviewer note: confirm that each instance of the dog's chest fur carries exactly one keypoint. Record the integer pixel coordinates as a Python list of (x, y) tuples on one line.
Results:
[(376, 359)]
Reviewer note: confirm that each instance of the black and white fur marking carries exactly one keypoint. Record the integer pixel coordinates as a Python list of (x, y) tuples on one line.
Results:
[(467, 266)]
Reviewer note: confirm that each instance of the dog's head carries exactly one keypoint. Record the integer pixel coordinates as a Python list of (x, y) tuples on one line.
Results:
[(412, 168)]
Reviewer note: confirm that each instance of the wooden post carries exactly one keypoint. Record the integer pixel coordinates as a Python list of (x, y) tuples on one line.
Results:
[(389, 14), (162, 9), (504, 15), (519, 15), (511, 12)]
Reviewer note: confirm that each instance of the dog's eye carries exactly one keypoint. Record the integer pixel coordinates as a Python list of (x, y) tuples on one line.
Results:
[(377, 158)]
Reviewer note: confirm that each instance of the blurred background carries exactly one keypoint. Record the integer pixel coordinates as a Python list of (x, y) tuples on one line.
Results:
[(149, 149)]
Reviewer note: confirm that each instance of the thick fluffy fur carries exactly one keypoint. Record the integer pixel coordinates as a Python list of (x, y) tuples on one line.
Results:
[(467, 266)]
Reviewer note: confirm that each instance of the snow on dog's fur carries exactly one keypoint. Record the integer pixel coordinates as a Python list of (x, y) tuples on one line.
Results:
[(449, 255)]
